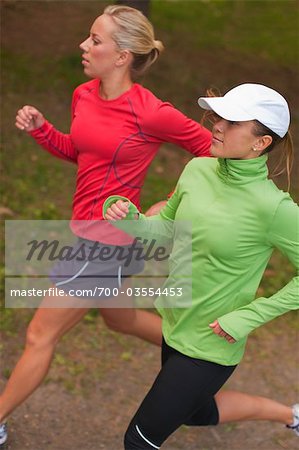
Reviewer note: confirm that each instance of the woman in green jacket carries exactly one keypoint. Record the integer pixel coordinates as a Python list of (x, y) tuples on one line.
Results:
[(238, 217)]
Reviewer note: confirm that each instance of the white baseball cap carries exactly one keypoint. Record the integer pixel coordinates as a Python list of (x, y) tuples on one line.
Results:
[(251, 101)]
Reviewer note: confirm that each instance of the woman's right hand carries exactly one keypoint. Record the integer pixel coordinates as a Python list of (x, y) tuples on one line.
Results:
[(117, 211), (29, 118)]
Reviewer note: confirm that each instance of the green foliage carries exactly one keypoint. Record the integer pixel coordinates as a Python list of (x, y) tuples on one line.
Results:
[(264, 28), (6, 319)]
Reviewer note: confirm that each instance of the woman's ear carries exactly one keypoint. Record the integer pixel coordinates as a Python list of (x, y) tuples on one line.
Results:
[(124, 58), (262, 143)]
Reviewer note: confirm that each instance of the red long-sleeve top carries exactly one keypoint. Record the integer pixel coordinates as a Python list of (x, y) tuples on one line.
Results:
[(113, 142)]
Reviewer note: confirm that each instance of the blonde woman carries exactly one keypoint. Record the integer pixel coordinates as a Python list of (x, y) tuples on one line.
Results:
[(117, 128)]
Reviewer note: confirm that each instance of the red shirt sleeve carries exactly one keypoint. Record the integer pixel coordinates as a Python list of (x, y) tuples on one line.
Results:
[(55, 142), (170, 125)]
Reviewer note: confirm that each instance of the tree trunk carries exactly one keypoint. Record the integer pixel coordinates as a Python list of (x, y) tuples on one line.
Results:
[(142, 5)]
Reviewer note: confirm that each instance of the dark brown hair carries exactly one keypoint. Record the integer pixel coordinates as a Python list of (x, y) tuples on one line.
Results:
[(286, 160)]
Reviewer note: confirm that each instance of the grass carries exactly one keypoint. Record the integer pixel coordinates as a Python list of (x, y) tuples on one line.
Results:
[(43, 69)]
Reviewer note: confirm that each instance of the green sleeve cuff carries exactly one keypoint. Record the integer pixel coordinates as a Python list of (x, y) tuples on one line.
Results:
[(113, 198)]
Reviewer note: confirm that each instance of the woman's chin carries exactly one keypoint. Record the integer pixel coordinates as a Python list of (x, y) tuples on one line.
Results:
[(88, 73), (216, 153)]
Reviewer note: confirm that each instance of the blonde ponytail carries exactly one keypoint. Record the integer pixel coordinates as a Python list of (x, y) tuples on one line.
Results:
[(136, 34), (158, 45)]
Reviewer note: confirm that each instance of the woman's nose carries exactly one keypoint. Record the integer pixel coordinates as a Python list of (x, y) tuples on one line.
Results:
[(84, 45)]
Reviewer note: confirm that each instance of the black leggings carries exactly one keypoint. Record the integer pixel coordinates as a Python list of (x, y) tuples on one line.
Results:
[(183, 393)]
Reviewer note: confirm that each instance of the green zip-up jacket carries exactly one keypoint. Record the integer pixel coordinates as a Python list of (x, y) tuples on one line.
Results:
[(238, 217)]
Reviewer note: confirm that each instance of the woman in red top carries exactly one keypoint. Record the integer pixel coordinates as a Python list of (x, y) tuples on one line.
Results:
[(117, 128)]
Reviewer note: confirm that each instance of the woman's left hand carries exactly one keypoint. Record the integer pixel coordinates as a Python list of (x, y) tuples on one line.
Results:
[(218, 330)]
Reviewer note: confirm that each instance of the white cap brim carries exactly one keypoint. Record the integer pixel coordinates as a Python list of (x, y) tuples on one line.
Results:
[(224, 108)]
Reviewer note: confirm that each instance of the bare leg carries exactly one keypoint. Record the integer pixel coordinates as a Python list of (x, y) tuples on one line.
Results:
[(120, 315), (136, 322), (49, 325), (236, 406), (46, 328)]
